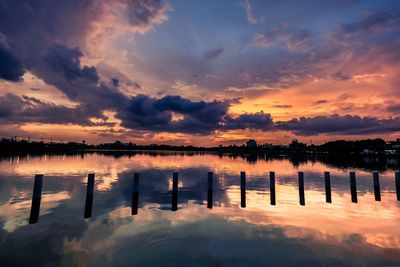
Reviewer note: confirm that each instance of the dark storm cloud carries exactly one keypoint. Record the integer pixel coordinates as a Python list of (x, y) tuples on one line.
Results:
[(374, 21), (147, 113), (213, 54), (34, 25), (61, 68), (25, 109), (335, 124), (41, 31), (66, 61), (255, 121), (11, 66)]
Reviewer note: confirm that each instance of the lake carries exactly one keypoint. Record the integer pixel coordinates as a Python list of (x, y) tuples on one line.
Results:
[(341, 233)]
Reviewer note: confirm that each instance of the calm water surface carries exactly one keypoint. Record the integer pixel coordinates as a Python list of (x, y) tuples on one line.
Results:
[(342, 233)]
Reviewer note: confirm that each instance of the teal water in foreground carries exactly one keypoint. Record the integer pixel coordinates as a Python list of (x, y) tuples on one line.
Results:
[(340, 233)]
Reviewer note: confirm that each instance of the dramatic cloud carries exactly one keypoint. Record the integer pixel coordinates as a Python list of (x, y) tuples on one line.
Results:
[(177, 114), (103, 58), (11, 66), (335, 124), (66, 61), (25, 109), (69, 23), (145, 113), (256, 121), (35, 25), (61, 67)]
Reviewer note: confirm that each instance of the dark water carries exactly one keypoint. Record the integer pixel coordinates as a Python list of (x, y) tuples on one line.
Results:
[(342, 233)]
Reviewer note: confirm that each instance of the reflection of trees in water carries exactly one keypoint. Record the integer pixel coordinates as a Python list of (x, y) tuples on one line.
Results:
[(341, 161), (337, 160)]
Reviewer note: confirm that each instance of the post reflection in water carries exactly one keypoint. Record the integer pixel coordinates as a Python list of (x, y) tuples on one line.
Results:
[(89, 196), (377, 187), (174, 192), (328, 192), (272, 188), (398, 185), (36, 199), (331, 234), (301, 189), (353, 187), (135, 193), (242, 189), (210, 190)]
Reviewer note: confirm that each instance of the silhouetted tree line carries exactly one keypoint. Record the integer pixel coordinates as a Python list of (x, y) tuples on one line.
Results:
[(368, 146), (339, 154), (14, 146)]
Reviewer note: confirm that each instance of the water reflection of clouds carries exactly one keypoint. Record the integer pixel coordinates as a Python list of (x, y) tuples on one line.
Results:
[(158, 233), (14, 211), (368, 225)]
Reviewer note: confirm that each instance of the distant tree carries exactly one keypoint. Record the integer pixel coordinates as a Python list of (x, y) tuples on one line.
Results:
[(297, 146)]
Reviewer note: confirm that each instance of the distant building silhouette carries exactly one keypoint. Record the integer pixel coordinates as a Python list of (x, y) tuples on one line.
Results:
[(251, 143)]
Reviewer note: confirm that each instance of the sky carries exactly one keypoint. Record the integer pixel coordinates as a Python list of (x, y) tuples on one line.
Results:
[(200, 72)]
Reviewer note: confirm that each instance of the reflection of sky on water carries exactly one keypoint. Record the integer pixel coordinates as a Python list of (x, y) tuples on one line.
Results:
[(318, 234)]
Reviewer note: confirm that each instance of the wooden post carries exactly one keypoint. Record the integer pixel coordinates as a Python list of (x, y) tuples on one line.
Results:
[(243, 189), (328, 193), (377, 187), (301, 189), (135, 193), (353, 187), (272, 188), (89, 196), (397, 178), (174, 192), (210, 190), (36, 199)]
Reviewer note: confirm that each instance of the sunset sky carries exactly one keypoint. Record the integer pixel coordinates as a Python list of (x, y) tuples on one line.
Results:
[(200, 72)]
